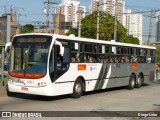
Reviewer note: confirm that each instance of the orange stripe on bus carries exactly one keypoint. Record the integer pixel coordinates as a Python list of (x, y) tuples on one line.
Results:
[(134, 66), (82, 67)]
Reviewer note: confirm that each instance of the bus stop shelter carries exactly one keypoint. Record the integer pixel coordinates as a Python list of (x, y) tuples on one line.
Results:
[(2, 47)]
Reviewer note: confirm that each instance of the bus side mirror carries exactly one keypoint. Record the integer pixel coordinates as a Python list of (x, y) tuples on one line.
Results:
[(8, 47)]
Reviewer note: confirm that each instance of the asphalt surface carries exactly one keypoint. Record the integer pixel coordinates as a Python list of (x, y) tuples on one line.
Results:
[(146, 98)]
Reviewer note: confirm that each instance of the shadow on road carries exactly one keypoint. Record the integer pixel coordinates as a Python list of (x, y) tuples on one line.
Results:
[(111, 89), (156, 105), (39, 97), (157, 81)]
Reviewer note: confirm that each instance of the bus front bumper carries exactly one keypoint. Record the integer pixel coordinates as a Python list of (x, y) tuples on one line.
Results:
[(45, 91)]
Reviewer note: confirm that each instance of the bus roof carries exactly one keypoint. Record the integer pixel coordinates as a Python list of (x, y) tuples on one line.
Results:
[(80, 39), (47, 34), (112, 42)]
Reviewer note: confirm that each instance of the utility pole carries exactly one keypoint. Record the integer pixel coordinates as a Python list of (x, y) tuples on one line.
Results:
[(47, 13), (8, 32), (48, 2), (79, 25), (158, 26), (150, 25), (150, 29), (2, 70), (98, 21), (115, 22)]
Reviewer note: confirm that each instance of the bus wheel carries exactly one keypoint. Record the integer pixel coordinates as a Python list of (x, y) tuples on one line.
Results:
[(132, 82), (139, 81), (77, 89)]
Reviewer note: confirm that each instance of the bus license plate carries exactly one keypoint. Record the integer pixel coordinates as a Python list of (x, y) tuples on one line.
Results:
[(24, 88)]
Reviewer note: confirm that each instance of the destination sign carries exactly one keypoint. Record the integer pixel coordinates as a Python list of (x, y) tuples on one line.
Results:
[(26, 40)]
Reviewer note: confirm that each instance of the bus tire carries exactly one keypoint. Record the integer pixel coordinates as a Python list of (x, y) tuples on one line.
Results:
[(139, 81), (132, 80), (77, 89)]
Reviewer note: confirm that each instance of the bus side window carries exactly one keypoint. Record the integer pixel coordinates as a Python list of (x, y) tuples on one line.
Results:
[(90, 53), (114, 50), (66, 55), (119, 50), (76, 52), (76, 57), (152, 52)]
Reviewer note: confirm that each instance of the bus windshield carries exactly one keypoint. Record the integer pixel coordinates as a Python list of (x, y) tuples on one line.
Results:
[(29, 56)]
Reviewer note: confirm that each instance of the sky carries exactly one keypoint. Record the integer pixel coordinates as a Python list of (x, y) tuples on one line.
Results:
[(32, 10)]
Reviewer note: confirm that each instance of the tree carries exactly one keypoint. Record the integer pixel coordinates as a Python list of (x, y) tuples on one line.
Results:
[(28, 28), (106, 28), (43, 27), (72, 31), (158, 53), (130, 39)]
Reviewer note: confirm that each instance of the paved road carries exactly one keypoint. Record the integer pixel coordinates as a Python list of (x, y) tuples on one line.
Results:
[(147, 98)]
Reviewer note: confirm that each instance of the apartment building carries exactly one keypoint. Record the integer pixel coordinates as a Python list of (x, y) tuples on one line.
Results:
[(109, 6), (133, 24), (72, 11)]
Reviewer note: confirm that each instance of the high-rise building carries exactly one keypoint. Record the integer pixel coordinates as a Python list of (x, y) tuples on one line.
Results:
[(158, 26), (72, 11), (109, 6), (133, 24)]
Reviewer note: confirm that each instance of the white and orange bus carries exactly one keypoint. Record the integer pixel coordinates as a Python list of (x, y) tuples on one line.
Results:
[(51, 65)]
